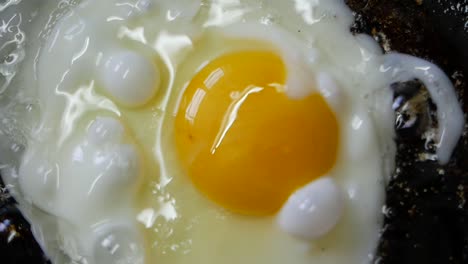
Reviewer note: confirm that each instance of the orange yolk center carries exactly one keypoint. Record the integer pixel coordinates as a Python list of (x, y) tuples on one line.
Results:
[(244, 143)]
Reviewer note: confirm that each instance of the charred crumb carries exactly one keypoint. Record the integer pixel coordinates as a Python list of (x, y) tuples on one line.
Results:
[(428, 222), (360, 24)]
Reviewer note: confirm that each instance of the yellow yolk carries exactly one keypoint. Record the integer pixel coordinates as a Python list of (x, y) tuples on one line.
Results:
[(245, 144)]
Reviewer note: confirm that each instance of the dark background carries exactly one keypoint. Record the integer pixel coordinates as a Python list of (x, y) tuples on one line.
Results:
[(427, 219), (427, 212)]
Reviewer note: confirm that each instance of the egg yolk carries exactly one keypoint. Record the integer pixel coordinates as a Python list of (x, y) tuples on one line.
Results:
[(244, 143)]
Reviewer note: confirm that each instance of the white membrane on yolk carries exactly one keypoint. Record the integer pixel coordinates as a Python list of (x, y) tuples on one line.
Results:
[(297, 56)]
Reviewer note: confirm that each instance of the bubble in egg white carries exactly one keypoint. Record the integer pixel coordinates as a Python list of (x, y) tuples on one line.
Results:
[(38, 179), (107, 171), (313, 210), (105, 129), (131, 78), (117, 243), (118, 162), (118, 165)]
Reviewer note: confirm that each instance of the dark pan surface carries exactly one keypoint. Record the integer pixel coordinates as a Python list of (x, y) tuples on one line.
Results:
[(427, 213), (426, 216)]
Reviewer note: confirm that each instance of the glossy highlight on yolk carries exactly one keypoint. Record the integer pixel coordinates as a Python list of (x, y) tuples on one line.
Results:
[(244, 143)]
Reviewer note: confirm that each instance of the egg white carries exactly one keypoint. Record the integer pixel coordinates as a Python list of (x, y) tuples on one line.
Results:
[(153, 211)]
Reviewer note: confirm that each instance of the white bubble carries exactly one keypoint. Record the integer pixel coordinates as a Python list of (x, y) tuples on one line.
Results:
[(313, 210), (130, 78), (105, 129)]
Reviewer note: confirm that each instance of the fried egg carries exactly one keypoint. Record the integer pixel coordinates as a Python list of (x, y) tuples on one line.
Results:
[(219, 131)]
